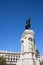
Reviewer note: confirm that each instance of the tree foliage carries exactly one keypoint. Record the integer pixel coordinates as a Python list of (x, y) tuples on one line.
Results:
[(41, 62), (2, 61)]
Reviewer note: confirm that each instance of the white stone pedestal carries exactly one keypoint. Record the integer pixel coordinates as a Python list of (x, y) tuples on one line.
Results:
[(28, 49)]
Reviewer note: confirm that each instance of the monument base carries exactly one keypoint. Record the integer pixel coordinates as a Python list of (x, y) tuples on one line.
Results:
[(28, 49), (28, 62)]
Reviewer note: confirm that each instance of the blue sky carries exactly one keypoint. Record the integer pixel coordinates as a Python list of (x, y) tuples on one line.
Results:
[(13, 15)]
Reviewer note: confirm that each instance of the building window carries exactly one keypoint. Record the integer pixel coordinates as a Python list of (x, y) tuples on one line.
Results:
[(8, 59), (13, 59)]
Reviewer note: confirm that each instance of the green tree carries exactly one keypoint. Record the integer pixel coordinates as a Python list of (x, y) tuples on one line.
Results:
[(2, 61), (41, 62)]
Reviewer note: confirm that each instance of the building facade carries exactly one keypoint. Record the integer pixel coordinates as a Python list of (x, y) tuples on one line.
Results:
[(11, 57), (41, 58)]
